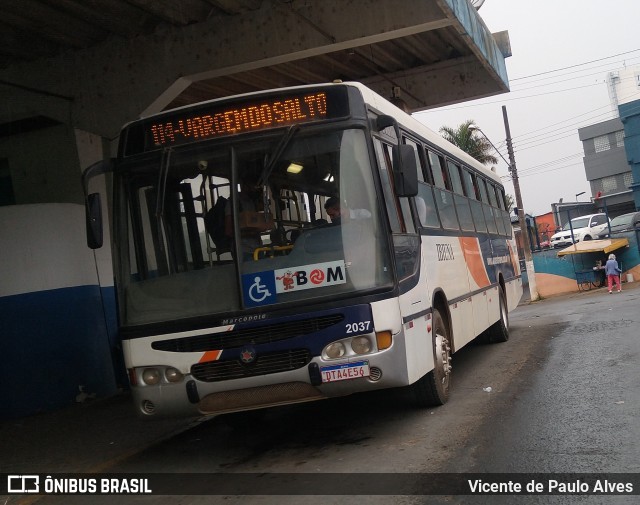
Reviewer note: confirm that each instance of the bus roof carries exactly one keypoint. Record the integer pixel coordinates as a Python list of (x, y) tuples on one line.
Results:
[(411, 123), (379, 103)]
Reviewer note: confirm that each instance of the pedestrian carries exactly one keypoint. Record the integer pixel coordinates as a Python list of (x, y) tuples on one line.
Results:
[(613, 273)]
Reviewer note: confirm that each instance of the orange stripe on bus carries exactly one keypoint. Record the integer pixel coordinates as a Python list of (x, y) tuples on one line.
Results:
[(210, 356), (474, 260)]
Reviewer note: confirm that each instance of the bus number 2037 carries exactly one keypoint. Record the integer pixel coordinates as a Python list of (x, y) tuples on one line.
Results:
[(358, 327)]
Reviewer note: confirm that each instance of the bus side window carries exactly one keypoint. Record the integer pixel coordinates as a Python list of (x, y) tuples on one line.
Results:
[(463, 208), (503, 199), (499, 198), (483, 190), (503, 229), (425, 205), (497, 212), (488, 210), (438, 171), (454, 176), (492, 194), (467, 183), (505, 212), (475, 203)]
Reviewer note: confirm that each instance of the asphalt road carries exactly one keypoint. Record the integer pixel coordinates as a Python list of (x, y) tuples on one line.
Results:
[(562, 396)]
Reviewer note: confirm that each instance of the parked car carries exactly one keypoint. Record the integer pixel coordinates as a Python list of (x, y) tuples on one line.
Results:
[(584, 228), (625, 222)]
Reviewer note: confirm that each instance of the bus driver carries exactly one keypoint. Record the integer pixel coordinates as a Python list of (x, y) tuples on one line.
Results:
[(337, 212)]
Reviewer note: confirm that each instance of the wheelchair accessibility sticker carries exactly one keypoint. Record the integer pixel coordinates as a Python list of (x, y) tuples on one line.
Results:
[(262, 288), (259, 288)]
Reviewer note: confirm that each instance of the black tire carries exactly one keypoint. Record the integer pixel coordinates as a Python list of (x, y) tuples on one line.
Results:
[(584, 285), (499, 331), (433, 388), (587, 237)]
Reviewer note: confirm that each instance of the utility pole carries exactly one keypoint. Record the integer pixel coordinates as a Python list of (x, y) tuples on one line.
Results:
[(524, 231)]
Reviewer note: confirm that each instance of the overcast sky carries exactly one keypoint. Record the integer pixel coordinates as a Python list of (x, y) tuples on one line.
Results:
[(562, 53)]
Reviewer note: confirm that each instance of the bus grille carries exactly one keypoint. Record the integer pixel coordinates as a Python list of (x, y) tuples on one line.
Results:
[(214, 371), (255, 336)]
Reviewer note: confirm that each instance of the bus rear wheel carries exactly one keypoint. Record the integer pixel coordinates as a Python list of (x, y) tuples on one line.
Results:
[(433, 388), (499, 331)]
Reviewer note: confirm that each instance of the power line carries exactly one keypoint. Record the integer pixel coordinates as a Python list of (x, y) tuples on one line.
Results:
[(560, 122), (552, 170), (574, 66), (550, 163), (520, 97), (570, 128), (613, 66), (555, 139), (600, 72)]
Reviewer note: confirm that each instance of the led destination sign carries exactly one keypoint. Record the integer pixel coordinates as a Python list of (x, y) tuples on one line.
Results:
[(220, 118), (238, 120)]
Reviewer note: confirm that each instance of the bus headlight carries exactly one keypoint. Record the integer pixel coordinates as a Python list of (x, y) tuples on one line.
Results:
[(173, 374), (361, 345), (335, 350), (151, 376)]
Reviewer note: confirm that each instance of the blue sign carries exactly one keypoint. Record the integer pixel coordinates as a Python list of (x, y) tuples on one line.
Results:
[(259, 288)]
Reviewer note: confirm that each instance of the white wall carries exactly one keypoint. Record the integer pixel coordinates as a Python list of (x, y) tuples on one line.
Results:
[(628, 87)]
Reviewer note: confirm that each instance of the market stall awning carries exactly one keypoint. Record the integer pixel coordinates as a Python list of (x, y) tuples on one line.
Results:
[(595, 246)]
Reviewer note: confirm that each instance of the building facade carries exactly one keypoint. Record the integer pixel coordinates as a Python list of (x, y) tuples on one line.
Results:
[(606, 166), (612, 147), (628, 100)]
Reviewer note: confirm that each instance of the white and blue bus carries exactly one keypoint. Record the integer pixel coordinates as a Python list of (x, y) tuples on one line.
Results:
[(241, 286)]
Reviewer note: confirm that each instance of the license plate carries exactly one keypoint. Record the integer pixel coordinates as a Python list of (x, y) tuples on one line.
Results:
[(345, 372)]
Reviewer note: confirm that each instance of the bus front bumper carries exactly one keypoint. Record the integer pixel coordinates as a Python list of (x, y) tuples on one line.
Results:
[(192, 397)]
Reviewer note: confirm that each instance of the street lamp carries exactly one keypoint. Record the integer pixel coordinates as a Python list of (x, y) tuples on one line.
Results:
[(578, 194), (475, 128)]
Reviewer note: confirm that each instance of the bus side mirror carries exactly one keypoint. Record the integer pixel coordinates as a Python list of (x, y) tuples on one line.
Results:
[(405, 170), (94, 221), (93, 208), (385, 121)]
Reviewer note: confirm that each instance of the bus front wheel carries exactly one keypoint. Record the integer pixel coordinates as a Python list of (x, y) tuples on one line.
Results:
[(433, 388)]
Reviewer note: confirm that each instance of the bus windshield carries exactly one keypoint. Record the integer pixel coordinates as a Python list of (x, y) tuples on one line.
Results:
[(215, 228)]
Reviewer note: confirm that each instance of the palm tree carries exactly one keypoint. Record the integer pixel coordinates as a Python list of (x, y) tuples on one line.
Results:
[(467, 138), (510, 201)]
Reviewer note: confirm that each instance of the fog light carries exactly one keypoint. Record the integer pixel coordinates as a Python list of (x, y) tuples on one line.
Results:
[(173, 374), (383, 338), (148, 407), (335, 350), (151, 376), (361, 345)]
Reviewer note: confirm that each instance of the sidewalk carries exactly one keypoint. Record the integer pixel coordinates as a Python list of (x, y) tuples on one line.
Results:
[(526, 295), (85, 437)]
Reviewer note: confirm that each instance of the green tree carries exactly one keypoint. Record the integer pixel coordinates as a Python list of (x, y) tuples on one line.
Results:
[(510, 202), (470, 140)]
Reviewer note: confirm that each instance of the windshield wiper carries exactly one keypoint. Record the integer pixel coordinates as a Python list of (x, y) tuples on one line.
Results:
[(277, 154), (160, 198)]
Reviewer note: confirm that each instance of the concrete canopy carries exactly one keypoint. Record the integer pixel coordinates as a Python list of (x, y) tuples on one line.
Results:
[(96, 65)]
